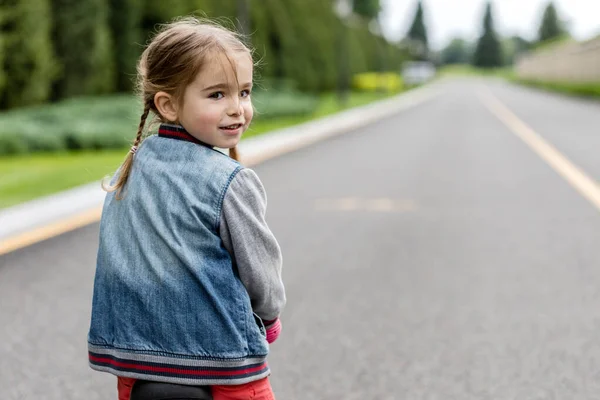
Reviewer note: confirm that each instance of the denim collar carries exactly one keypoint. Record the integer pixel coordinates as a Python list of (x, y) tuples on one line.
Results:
[(178, 132)]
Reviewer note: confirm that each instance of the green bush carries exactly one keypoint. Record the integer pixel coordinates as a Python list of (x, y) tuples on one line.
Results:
[(12, 144), (373, 81), (74, 124), (106, 122), (280, 97), (273, 104)]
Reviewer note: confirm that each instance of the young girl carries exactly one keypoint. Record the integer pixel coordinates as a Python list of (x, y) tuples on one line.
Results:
[(188, 285)]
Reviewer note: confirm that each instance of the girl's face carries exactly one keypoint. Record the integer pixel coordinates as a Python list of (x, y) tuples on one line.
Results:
[(215, 109)]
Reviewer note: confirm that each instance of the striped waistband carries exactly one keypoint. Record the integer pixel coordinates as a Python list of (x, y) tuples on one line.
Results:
[(189, 371)]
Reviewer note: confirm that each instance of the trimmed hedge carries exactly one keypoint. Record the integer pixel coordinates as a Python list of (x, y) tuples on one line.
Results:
[(74, 124), (271, 105), (373, 81), (111, 121)]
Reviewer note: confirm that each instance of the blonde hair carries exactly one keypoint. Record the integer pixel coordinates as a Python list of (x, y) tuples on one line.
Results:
[(169, 64)]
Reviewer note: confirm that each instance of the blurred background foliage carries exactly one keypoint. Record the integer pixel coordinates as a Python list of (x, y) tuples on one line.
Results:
[(69, 65), (67, 104)]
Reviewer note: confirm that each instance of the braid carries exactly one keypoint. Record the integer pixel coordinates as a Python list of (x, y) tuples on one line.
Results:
[(138, 138), (126, 166)]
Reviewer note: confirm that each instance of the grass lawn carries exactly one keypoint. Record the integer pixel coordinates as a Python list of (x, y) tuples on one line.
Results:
[(27, 177), (585, 90), (24, 178)]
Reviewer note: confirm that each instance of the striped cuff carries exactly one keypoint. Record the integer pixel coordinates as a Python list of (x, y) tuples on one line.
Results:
[(273, 331)]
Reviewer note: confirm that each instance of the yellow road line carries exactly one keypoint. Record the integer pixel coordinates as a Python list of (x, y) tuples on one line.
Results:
[(585, 185), (37, 235)]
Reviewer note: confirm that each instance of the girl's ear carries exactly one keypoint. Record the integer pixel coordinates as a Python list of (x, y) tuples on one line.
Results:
[(166, 106)]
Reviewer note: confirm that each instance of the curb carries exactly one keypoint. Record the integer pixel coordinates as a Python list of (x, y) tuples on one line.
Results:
[(40, 219)]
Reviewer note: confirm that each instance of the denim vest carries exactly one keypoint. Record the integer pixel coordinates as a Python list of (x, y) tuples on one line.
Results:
[(168, 305)]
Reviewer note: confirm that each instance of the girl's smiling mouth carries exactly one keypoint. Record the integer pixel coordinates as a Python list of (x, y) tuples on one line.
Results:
[(232, 129)]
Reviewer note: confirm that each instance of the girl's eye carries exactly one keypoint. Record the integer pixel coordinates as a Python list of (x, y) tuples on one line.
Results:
[(245, 93), (217, 95)]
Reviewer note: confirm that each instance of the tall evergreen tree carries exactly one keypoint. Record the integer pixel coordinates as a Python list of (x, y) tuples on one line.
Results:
[(156, 12), (318, 24), (125, 24), (368, 9), (456, 52), (28, 61), (83, 44), (488, 53), (550, 26), (513, 47), (417, 34), (4, 13)]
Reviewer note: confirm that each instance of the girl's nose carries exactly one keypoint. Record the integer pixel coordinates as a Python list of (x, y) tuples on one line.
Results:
[(235, 107)]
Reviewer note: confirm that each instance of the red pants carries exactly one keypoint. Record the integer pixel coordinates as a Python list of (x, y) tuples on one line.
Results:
[(257, 390)]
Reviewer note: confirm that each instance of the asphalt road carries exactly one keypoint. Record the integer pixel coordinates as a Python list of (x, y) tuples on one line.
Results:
[(432, 255)]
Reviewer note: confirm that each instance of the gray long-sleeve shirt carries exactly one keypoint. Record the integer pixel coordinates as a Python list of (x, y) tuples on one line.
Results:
[(253, 248)]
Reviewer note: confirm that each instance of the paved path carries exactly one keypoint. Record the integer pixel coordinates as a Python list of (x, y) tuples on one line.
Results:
[(432, 255)]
